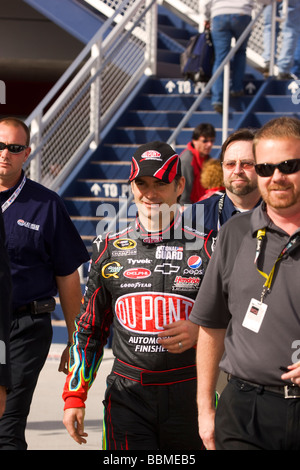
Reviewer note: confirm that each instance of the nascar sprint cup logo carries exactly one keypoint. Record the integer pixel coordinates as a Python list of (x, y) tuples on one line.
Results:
[(148, 312)]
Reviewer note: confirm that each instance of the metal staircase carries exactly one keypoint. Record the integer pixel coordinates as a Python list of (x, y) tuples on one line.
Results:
[(94, 186)]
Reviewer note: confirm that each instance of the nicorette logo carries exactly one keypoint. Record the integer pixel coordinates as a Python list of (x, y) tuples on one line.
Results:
[(194, 262), (137, 273), (111, 270), (148, 312)]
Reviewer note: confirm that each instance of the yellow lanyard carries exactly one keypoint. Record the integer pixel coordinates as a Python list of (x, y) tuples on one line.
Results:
[(269, 277)]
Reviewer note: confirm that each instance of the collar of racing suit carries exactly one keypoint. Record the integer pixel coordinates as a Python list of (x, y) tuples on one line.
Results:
[(157, 237)]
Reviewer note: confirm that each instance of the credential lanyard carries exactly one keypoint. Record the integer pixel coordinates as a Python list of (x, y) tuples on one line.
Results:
[(14, 196), (220, 208), (285, 251)]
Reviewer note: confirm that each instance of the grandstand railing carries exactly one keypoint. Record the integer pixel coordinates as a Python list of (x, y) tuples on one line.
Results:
[(68, 121)]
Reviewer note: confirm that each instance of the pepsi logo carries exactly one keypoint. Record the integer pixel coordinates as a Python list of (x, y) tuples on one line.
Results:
[(194, 262)]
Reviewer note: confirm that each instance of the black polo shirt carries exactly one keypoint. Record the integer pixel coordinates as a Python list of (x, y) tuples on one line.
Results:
[(41, 240)]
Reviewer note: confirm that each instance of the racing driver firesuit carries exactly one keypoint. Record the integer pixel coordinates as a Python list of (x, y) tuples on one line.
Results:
[(140, 282)]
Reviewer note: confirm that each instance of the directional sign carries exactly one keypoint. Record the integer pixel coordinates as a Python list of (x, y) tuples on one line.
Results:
[(109, 189), (95, 189), (250, 88), (170, 86)]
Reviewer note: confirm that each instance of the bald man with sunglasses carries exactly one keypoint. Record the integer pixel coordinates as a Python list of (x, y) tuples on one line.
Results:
[(248, 310), (45, 252)]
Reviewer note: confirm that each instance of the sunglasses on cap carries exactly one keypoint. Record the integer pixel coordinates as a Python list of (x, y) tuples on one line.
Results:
[(287, 167), (12, 148)]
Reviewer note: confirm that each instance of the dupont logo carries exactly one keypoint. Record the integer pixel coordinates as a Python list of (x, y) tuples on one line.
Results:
[(137, 273), (194, 262), (148, 312)]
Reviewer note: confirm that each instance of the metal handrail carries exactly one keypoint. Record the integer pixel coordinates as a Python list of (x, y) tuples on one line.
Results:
[(224, 66), (217, 73), (81, 91)]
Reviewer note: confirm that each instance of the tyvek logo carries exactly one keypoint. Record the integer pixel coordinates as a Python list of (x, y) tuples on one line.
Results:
[(194, 262)]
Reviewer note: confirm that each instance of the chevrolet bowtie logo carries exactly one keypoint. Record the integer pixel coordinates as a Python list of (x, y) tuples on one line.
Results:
[(166, 268)]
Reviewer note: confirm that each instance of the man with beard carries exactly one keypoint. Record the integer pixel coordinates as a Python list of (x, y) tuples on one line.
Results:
[(240, 182), (248, 309)]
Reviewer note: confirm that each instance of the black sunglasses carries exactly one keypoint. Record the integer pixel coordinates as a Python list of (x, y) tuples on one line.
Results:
[(12, 148), (287, 167)]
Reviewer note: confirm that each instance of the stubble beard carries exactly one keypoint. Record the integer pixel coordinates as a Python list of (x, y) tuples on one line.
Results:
[(280, 201)]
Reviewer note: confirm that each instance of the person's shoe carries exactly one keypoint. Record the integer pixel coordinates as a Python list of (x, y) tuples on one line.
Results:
[(236, 94), (265, 70), (218, 107), (286, 76)]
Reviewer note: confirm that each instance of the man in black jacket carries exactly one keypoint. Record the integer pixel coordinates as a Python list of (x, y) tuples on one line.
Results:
[(145, 280), (5, 318)]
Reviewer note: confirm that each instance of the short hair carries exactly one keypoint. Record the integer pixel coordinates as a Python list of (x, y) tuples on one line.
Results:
[(244, 134), (16, 122), (278, 128), (205, 129)]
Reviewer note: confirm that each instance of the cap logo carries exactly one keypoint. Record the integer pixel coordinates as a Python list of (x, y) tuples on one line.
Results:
[(151, 155)]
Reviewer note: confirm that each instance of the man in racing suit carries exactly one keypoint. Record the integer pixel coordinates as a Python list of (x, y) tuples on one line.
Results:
[(145, 282)]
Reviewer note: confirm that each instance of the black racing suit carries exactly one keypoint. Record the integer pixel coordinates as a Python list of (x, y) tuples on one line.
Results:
[(140, 282)]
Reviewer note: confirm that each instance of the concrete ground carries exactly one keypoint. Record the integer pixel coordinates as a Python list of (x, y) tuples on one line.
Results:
[(45, 429)]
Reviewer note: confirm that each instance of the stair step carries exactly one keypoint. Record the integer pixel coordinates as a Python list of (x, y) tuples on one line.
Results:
[(103, 187), (258, 119), (273, 103), (97, 194), (175, 33), (113, 152), (93, 206), (140, 135), (175, 102), (146, 120), (110, 169)]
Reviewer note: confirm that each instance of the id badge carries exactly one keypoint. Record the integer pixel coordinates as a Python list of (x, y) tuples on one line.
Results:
[(255, 315)]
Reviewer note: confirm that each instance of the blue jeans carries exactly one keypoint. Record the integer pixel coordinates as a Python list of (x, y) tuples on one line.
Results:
[(223, 29), (290, 35), (267, 34)]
